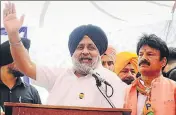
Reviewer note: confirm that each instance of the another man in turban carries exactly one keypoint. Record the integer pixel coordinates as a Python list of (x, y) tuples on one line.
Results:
[(69, 86), (126, 66), (12, 88), (108, 58)]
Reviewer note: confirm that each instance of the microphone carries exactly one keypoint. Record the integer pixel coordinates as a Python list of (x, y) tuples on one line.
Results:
[(98, 78)]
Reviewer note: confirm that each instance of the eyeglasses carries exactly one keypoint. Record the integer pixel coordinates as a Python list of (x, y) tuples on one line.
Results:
[(108, 62)]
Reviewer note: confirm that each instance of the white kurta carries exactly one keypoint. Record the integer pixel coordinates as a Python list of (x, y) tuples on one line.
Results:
[(65, 87)]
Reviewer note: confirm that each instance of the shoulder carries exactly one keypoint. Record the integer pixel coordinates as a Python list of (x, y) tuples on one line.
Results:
[(33, 88), (29, 87), (169, 82)]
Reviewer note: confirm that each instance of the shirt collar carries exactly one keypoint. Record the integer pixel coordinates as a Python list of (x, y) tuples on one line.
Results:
[(158, 79), (18, 82)]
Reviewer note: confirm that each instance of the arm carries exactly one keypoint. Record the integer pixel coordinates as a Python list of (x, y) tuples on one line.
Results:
[(19, 53)]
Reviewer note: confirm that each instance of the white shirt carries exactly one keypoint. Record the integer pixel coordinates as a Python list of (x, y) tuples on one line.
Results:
[(65, 87), (140, 103)]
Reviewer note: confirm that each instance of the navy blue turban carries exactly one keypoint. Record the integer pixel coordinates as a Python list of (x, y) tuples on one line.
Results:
[(5, 54), (95, 33)]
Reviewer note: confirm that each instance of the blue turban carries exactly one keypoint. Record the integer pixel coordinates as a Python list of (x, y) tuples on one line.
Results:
[(96, 34)]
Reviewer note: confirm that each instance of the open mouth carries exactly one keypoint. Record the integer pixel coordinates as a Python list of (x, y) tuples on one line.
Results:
[(144, 64), (85, 60)]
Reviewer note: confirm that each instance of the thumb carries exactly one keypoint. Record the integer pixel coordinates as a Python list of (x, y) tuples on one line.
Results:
[(22, 19)]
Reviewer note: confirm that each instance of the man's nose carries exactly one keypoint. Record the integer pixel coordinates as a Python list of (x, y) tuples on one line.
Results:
[(85, 51), (106, 65), (144, 57)]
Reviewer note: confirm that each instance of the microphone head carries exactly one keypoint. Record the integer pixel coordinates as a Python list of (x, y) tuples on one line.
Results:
[(91, 71)]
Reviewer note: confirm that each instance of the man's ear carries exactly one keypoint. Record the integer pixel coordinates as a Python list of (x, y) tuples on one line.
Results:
[(164, 62)]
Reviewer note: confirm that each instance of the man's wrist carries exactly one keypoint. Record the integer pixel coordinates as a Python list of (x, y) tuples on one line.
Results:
[(15, 43), (14, 38), (13, 35)]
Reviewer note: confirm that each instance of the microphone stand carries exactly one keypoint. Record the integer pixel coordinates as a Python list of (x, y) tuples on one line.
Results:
[(101, 89)]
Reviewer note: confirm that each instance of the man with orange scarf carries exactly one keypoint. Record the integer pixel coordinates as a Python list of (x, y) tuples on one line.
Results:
[(126, 66), (151, 93)]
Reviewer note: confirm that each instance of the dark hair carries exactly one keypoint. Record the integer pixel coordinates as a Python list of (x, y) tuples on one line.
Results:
[(155, 42), (172, 54)]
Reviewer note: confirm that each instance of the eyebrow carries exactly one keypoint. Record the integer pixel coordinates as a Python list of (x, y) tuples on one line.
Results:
[(88, 44), (92, 45)]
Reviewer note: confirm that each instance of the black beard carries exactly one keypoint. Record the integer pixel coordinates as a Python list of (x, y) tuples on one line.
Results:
[(128, 80), (15, 73)]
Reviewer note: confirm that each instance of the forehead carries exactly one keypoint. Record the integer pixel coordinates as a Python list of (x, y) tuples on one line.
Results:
[(128, 66), (86, 40), (146, 48), (105, 58)]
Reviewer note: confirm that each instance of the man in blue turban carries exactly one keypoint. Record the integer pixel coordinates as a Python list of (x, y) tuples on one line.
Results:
[(73, 86)]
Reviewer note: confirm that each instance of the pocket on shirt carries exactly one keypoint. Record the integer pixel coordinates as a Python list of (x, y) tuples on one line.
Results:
[(169, 103), (170, 106), (26, 100)]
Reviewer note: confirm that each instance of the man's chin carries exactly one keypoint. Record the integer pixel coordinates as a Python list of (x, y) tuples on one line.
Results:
[(128, 81), (84, 69), (16, 73)]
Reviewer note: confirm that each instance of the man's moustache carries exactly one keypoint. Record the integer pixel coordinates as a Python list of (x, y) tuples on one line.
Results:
[(144, 62)]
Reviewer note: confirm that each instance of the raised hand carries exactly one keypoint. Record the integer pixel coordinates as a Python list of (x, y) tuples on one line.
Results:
[(11, 23)]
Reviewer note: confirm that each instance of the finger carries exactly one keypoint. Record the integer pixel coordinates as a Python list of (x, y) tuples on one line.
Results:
[(10, 8), (13, 8), (7, 5), (22, 19), (5, 10)]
